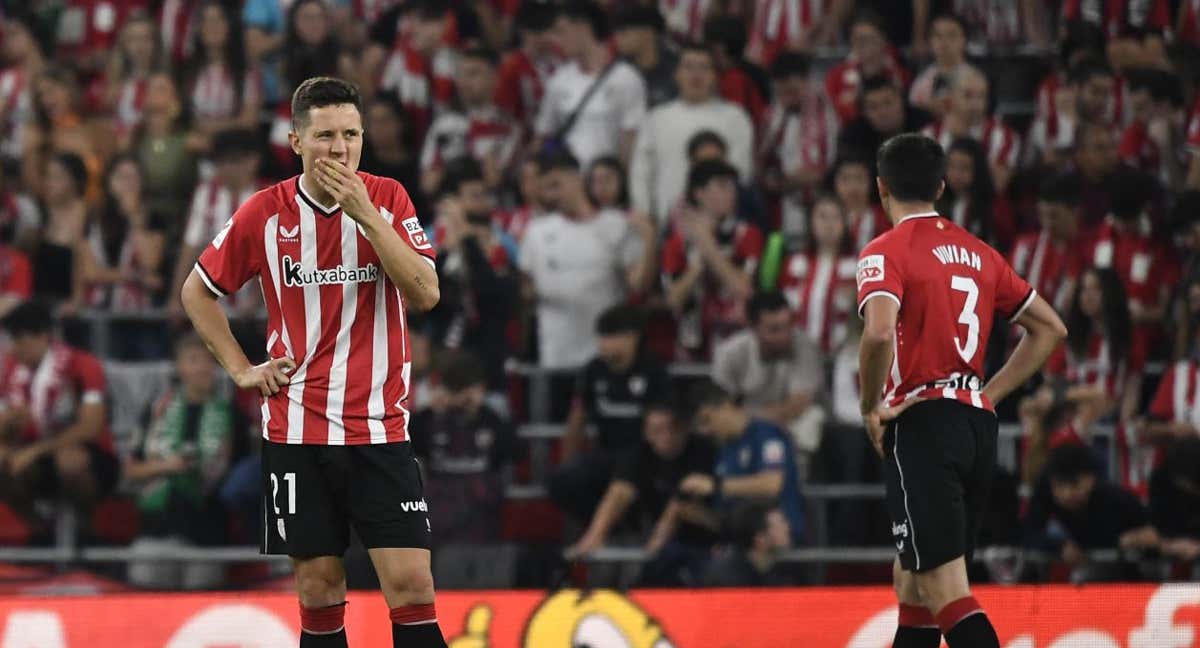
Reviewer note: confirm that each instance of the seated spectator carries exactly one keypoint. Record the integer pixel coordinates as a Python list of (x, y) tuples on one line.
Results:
[(644, 482), (638, 37), (774, 370), (533, 192), (577, 262), (797, 139), (757, 535), (466, 450), (161, 147), (1175, 499), (611, 395), (1094, 159), (224, 89), (870, 55), (657, 174), (968, 117), (971, 199), (58, 126), (709, 261), (63, 226), (1002, 25), (755, 463), (852, 186), (53, 420), (1150, 142), (1051, 258), (122, 88), (476, 128), (310, 46), (818, 278), (1091, 93), (387, 152), (615, 91), (948, 42), (120, 262), (1074, 510), (1135, 30), (477, 273), (606, 184), (525, 69), (740, 81), (708, 145), (884, 113), (178, 467), (23, 61), (236, 161)]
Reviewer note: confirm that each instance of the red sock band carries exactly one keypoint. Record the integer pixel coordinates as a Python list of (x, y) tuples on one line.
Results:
[(323, 620), (956, 611), (915, 616), (413, 614)]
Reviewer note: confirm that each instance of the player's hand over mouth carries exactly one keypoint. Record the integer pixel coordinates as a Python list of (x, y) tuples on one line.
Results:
[(346, 188)]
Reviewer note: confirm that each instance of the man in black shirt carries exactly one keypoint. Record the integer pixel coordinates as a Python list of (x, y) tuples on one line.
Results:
[(758, 534), (612, 391), (645, 480), (883, 113), (1073, 510), (1175, 500)]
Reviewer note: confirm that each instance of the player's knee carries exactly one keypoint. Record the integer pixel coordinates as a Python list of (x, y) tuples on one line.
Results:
[(410, 584), (320, 585), (72, 464)]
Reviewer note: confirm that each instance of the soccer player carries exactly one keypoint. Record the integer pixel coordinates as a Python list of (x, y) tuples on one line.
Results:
[(340, 255), (927, 290)]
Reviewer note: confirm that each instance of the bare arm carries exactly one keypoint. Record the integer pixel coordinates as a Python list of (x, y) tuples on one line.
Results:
[(640, 276), (731, 277), (875, 349), (136, 470), (617, 498), (1044, 330), (680, 290), (575, 435), (765, 485), (183, 265)]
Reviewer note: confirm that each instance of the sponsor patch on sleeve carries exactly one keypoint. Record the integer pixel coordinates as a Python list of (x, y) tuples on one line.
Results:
[(416, 233), (220, 237), (870, 268), (773, 452)]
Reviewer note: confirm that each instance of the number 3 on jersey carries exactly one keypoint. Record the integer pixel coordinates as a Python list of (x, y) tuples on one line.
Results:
[(968, 316)]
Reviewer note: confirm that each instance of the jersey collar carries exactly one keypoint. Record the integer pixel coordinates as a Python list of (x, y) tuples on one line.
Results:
[(312, 202), (920, 215)]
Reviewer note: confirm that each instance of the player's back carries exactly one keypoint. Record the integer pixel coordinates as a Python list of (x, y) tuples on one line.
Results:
[(948, 284)]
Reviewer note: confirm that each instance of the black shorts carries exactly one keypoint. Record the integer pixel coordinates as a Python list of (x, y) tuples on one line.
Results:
[(313, 493), (939, 456)]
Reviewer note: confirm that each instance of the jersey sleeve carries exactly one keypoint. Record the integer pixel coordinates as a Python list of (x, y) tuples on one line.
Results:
[(232, 259), (406, 223), (878, 275), (19, 282), (1013, 294), (772, 450), (89, 376)]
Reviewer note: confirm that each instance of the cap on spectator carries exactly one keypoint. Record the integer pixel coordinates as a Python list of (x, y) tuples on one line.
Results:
[(234, 143), (556, 160), (461, 370), (536, 16), (705, 171), (639, 17), (1069, 462), (29, 318), (1128, 192), (620, 319), (589, 12), (768, 301), (790, 64), (1061, 189)]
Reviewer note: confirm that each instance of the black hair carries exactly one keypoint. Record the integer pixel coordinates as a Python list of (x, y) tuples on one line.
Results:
[(1061, 189), (1085, 69), (305, 60), (75, 167), (790, 64), (61, 75), (460, 369), (1067, 463), (589, 12), (743, 523), (142, 16), (697, 47), (765, 302), (234, 143), (556, 160), (29, 317), (878, 82), (1114, 313), (912, 167), (954, 18), (319, 92), (639, 17), (1128, 192), (704, 138), (620, 319), (1082, 37), (234, 56), (425, 9), (669, 404), (981, 194), (480, 54), (110, 219), (612, 162), (535, 16), (846, 245), (868, 17), (728, 33), (705, 171), (1186, 211), (707, 393), (459, 172), (1182, 459)]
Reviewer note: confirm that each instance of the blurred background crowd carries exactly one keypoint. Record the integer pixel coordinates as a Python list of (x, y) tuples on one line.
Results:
[(647, 216)]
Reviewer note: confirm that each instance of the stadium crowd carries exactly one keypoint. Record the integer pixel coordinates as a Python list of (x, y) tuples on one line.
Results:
[(618, 191)]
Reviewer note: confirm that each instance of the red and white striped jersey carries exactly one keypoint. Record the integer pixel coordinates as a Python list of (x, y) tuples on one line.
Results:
[(1047, 106), (127, 114), (867, 225), (1000, 143), (176, 25), (792, 140), (948, 284), (422, 86), (685, 18), (16, 273), (16, 110), (213, 204), (1144, 264), (1049, 267), (53, 392), (844, 79), (1120, 18), (480, 134), (213, 94), (521, 85), (820, 289), (780, 24), (1139, 150), (1097, 368), (330, 307), (1178, 397), (1189, 32), (995, 22), (90, 27)]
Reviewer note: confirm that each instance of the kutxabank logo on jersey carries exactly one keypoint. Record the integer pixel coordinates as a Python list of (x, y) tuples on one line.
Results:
[(295, 274)]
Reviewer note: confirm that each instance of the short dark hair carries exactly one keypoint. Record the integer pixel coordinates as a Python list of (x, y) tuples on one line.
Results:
[(639, 16), (850, 158), (1085, 69), (743, 523), (318, 92), (459, 172), (1067, 463), (727, 33), (535, 16), (879, 82), (790, 64), (425, 9), (762, 302), (704, 138), (954, 18), (30, 317), (460, 369), (705, 171), (589, 12), (1128, 192), (556, 159), (234, 143), (620, 319), (697, 47), (480, 54), (869, 17), (707, 393), (1061, 189), (912, 167)]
